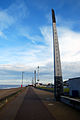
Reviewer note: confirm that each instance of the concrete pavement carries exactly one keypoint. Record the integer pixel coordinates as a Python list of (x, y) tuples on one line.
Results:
[(34, 104), (32, 108)]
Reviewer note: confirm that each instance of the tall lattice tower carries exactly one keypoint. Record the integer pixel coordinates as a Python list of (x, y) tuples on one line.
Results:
[(35, 77), (38, 73), (58, 82)]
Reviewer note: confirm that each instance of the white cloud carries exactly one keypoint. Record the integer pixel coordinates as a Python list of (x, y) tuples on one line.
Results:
[(31, 54), (3, 35), (46, 31), (28, 57), (13, 72), (71, 69), (12, 16), (69, 44), (34, 39), (5, 20), (69, 48), (18, 10)]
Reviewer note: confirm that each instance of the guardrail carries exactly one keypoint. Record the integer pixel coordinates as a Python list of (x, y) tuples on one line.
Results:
[(75, 103)]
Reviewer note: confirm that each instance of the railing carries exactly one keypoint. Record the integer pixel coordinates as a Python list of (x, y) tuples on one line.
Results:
[(71, 102)]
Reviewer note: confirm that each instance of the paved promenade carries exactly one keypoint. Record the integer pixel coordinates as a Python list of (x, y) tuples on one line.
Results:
[(34, 104), (32, 108)]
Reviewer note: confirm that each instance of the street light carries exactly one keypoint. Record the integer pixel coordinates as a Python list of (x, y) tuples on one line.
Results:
[(22, 79)]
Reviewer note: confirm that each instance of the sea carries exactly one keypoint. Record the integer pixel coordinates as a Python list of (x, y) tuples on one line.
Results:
[(9, 86)]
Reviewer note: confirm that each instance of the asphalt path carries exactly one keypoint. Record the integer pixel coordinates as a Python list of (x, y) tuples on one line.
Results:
[(35, 104), (32, 108)]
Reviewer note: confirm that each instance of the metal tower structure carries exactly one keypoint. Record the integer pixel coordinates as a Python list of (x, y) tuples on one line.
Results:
[(35, 77), (58, 82), (38, 73)]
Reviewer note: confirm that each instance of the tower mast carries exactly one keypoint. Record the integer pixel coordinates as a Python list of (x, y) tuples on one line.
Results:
[(58, 82), (35, 77)]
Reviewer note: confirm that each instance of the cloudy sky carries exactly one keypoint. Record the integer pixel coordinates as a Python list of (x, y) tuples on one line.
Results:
[(26, 39)]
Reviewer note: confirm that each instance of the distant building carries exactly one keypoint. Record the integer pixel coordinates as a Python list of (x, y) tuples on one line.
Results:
[(50, 85), (39, 85), (74, 86)]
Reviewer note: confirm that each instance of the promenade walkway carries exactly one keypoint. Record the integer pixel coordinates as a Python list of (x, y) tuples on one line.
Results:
[(32, 108), (35, 104)]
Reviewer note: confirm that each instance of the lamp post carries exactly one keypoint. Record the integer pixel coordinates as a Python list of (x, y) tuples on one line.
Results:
[(22, 79)]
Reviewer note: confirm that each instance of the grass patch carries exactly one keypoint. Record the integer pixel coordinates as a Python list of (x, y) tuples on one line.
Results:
[(66, 90), (46, 89)]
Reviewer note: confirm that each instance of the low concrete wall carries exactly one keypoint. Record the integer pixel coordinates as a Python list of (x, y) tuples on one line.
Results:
[(10, 95), (6, 98), (71, 102)]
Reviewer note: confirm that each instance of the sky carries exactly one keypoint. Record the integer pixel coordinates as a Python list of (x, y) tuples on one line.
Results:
[(26, 39)]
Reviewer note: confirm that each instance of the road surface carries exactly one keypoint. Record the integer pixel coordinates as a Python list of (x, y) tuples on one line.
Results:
[(32, 108)]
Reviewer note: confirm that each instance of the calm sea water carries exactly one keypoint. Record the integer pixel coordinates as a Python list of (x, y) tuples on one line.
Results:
[(8, 86)]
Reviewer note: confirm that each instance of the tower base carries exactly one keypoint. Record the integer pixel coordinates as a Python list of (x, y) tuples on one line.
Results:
[(58, 87)]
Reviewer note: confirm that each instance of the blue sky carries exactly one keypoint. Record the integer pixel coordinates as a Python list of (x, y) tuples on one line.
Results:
[(26, 39)]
